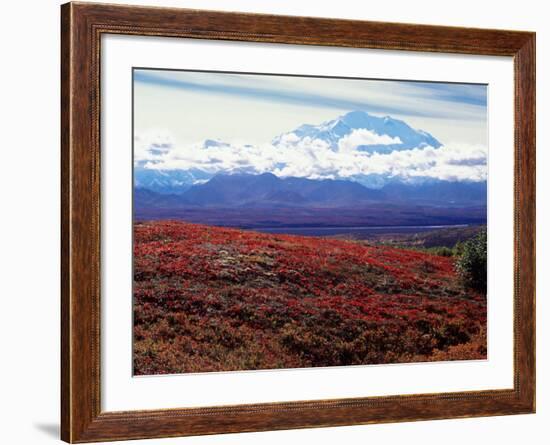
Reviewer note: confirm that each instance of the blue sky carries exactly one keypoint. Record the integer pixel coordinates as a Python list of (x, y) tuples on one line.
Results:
[(240, 87), (175, 112), (278, 104)]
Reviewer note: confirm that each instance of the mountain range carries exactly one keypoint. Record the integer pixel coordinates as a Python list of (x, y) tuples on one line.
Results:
[(264, 201), (168, 181), (256, 199), (268, 190), (366, 130)]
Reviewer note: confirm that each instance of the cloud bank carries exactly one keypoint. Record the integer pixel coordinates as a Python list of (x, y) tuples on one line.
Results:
[(314, 159)]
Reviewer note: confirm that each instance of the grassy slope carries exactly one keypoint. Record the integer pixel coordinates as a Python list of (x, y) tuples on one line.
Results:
[(215, 299)]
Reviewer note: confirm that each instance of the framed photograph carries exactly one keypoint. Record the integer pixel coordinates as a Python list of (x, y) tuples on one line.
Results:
[(274, 222)]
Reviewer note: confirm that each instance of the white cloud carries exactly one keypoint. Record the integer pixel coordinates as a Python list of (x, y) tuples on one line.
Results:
[(153, 145), (362, 136), (453, 162), (313, 158)]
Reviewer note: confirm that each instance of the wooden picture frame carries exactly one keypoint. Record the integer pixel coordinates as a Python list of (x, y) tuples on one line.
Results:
[(82, 25)]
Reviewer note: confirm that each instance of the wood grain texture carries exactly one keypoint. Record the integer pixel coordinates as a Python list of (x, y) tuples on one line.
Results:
[(81, 28)]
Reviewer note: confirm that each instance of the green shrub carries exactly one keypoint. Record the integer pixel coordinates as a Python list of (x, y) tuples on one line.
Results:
[(442, 251), (472, 262)]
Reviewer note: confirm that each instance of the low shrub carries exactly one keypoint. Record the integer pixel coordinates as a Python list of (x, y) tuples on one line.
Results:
[(471, 265)]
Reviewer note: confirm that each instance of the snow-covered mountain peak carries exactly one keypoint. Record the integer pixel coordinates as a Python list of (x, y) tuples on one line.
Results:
[(387, 133)]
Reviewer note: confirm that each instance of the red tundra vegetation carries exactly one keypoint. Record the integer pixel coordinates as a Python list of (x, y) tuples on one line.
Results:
[(217, 299)]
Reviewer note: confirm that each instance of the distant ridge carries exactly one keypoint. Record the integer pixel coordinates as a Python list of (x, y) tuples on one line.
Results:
[(267, 190)]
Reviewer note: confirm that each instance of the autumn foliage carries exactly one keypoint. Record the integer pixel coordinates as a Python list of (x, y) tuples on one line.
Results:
[(215, 299)]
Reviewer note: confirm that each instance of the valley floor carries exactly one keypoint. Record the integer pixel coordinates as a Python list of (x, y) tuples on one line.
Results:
[(216, 299)]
